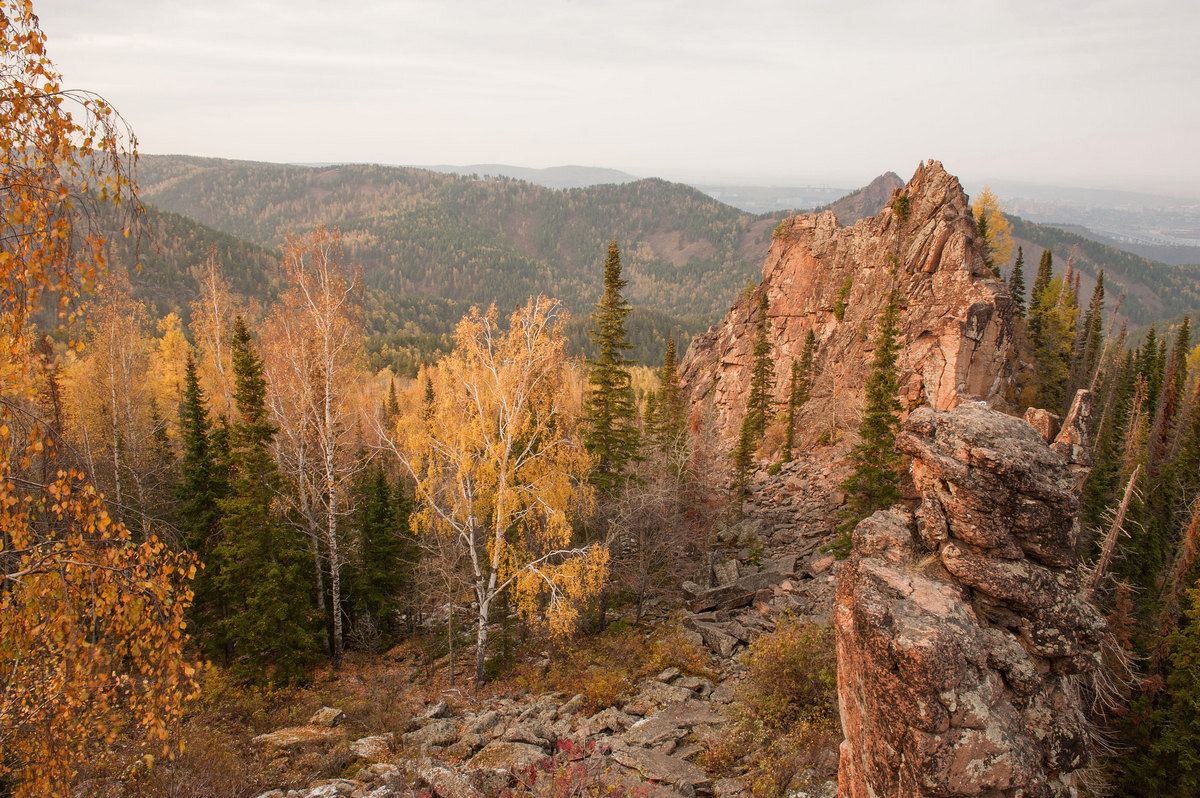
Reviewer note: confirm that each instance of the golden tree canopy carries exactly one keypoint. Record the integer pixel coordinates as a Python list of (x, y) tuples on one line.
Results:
[(999, 228), (499, 463)]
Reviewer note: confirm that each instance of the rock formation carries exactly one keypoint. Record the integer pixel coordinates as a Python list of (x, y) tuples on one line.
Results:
[(961, 629), (955, 327)]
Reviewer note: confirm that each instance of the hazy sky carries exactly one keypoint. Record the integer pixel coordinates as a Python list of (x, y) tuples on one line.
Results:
[(1082, 93)]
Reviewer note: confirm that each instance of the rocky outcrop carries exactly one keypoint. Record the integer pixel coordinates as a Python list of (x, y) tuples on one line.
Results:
[(961, 628), (955, 328)]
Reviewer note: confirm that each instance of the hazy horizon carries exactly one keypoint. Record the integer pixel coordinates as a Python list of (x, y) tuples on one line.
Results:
[(758, 93)]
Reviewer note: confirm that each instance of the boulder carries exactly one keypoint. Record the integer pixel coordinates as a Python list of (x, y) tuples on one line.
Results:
[(513, 757), (375, 748), (654, 695), (736, 594), (661, 767), (438, 732), (327, 716), (442, 781), (299, 738)]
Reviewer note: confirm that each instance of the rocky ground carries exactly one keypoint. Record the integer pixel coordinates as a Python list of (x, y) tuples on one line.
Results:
[(769, 564)]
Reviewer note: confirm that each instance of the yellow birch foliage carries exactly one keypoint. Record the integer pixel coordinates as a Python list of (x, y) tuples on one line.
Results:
[(999, 228), (91, 623), (499, 464)]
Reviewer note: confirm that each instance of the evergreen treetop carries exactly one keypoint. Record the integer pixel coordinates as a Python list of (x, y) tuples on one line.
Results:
[(1016, 282), (270, 626), (666, 418), (874, 484), (610, 413), (798, 392)]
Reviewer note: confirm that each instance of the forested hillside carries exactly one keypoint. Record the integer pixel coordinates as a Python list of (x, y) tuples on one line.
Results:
[(433, 244), (474, 241), (1153, 291)]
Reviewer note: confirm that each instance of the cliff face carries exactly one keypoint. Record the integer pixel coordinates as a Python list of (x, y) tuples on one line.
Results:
[(961, 629), (955, 328)]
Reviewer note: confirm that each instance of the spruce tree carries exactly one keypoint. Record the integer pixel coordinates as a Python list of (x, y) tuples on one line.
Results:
[(798, 392), (1055, 316), (200, 486), (383, 583), (1094, 347), (271, 625), (874, 484), (981, 228), (762, 374), (1176, 753), (758, 402), (1016, 282), (610, 414), (1040, 284), (392, 406), (666, 415)]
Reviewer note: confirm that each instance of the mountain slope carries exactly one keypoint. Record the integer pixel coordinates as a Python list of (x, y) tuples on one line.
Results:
[(1153, 290), (475, 241), (557, 177)]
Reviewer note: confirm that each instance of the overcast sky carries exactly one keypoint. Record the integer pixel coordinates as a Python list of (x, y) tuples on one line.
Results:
[(1079, 93)]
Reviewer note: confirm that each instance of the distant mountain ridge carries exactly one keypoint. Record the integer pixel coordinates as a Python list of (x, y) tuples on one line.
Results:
[(556, 177), (433, 244), (867, 201)]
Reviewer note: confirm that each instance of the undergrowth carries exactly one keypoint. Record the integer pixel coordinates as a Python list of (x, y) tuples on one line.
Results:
[(783, 727), (605, 667)]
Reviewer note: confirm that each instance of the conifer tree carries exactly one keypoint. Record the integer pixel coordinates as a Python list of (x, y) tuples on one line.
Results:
[(1055, 317), (1177, 751), (383, 583), (392, 407), (1089, 337), (1016, 282), (1040, 284), (798, 392), (271, 625), (610, 414), (981, 228), (762, 374), (200, 486), (874, 484), (1174, 378), (1094, 329), (666, 415), (758, 403)]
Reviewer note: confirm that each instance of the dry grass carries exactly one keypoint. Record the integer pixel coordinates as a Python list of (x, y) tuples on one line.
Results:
[(605, 667)]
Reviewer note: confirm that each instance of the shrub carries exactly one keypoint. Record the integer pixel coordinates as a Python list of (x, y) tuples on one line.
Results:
[(783, 733), (839, 307), (605, 667)]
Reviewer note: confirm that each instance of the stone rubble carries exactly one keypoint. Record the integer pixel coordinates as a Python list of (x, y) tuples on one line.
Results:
[(652, 740)]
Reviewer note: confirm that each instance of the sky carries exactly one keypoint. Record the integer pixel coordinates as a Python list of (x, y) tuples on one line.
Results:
[(768, 92)]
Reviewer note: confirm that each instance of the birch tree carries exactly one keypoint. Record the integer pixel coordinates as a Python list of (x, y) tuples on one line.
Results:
[(499, 466), (312, 368), (91, 621)]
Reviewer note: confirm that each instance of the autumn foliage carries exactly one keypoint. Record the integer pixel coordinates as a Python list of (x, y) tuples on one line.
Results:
[(91, 619), (500, 469)]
